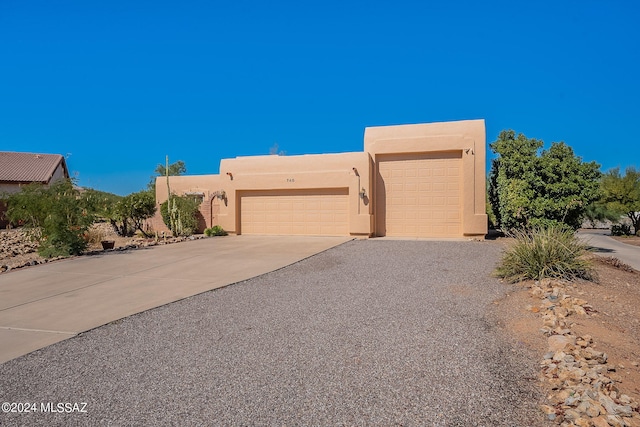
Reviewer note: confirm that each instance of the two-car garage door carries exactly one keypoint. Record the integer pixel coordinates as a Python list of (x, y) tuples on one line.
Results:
[(419, 195), (317, 212)]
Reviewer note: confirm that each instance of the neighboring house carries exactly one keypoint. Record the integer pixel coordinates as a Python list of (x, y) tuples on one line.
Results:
[(20, 169), (423, 180)]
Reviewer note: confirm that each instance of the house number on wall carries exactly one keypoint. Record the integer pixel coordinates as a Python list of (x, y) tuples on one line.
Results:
[(291, 180)]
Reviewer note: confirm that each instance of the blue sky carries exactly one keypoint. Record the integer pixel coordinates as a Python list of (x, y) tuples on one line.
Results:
[(117, 85)]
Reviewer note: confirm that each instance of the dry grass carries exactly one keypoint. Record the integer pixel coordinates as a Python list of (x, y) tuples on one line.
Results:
[(94, 236), (549, 252)]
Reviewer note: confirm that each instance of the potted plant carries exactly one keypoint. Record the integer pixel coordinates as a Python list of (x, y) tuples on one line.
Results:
[(108, 244)]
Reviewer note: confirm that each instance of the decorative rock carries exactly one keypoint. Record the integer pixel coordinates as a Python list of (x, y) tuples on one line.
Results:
[(558, 342), (616, 421), (613, 408), (600, 422), (577, 374), (559, 356), (571, 414), (549, 411), (564, 395), (572, 401), (579, 310), (582, 422)]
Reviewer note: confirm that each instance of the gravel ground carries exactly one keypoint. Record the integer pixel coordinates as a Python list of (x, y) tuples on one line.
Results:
[(373, 332)]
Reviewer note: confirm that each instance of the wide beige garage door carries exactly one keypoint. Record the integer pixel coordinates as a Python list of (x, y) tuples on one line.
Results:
[(419, 195), (317, 212)]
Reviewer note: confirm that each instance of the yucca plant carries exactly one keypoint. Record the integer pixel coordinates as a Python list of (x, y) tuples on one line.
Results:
[(552, 252)]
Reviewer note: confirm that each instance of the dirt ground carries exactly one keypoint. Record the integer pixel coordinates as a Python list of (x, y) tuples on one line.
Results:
[(614, 324)]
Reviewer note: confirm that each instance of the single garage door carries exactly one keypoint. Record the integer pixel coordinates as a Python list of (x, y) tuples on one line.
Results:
[(419, 195), (317, 212)]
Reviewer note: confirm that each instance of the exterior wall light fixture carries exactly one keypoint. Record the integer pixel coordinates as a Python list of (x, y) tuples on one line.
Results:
[(362, 193), (230, 175)]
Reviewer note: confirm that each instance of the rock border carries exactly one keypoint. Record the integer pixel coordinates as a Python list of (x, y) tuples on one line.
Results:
[(583, 393)]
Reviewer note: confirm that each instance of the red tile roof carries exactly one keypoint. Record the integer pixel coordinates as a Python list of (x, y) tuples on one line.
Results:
[(29, 167)]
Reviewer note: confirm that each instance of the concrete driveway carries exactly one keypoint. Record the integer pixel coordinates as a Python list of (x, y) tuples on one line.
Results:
[(371, 332), (49, 303), (603, 244)]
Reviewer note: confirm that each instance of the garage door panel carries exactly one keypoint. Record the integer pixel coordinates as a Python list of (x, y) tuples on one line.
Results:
[(301, 212), (421, 194), (439, 187), (439, 172)]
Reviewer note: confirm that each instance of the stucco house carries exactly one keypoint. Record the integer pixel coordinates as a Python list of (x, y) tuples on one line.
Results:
[(20, 169), (422, 180)]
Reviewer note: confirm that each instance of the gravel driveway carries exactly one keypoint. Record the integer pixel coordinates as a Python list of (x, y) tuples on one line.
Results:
[(372, 332)]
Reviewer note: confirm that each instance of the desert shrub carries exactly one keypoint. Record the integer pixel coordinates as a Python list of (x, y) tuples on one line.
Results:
[(620, 230), (181, 218), (553, 252), (101, 203), (126, 214), (93, 236), (54, 216), (216, 230), (132, 211)]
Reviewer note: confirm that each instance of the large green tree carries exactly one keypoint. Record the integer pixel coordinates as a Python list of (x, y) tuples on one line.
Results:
[(530, 187), (621, 193)]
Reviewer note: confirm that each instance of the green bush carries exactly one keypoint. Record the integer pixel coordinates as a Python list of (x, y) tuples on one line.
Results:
[(127, 214), (553, 252), (56, 217), (620, 230), (130, 213), (182, 218), (532, 188), (216, 230)]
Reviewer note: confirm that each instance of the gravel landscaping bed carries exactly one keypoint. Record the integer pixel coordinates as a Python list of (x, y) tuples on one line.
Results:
[(373, 332)]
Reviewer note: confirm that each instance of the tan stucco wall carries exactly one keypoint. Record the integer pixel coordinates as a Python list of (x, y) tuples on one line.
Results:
[(468, 136), (282, 173), (246, 175), (299, 172)]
